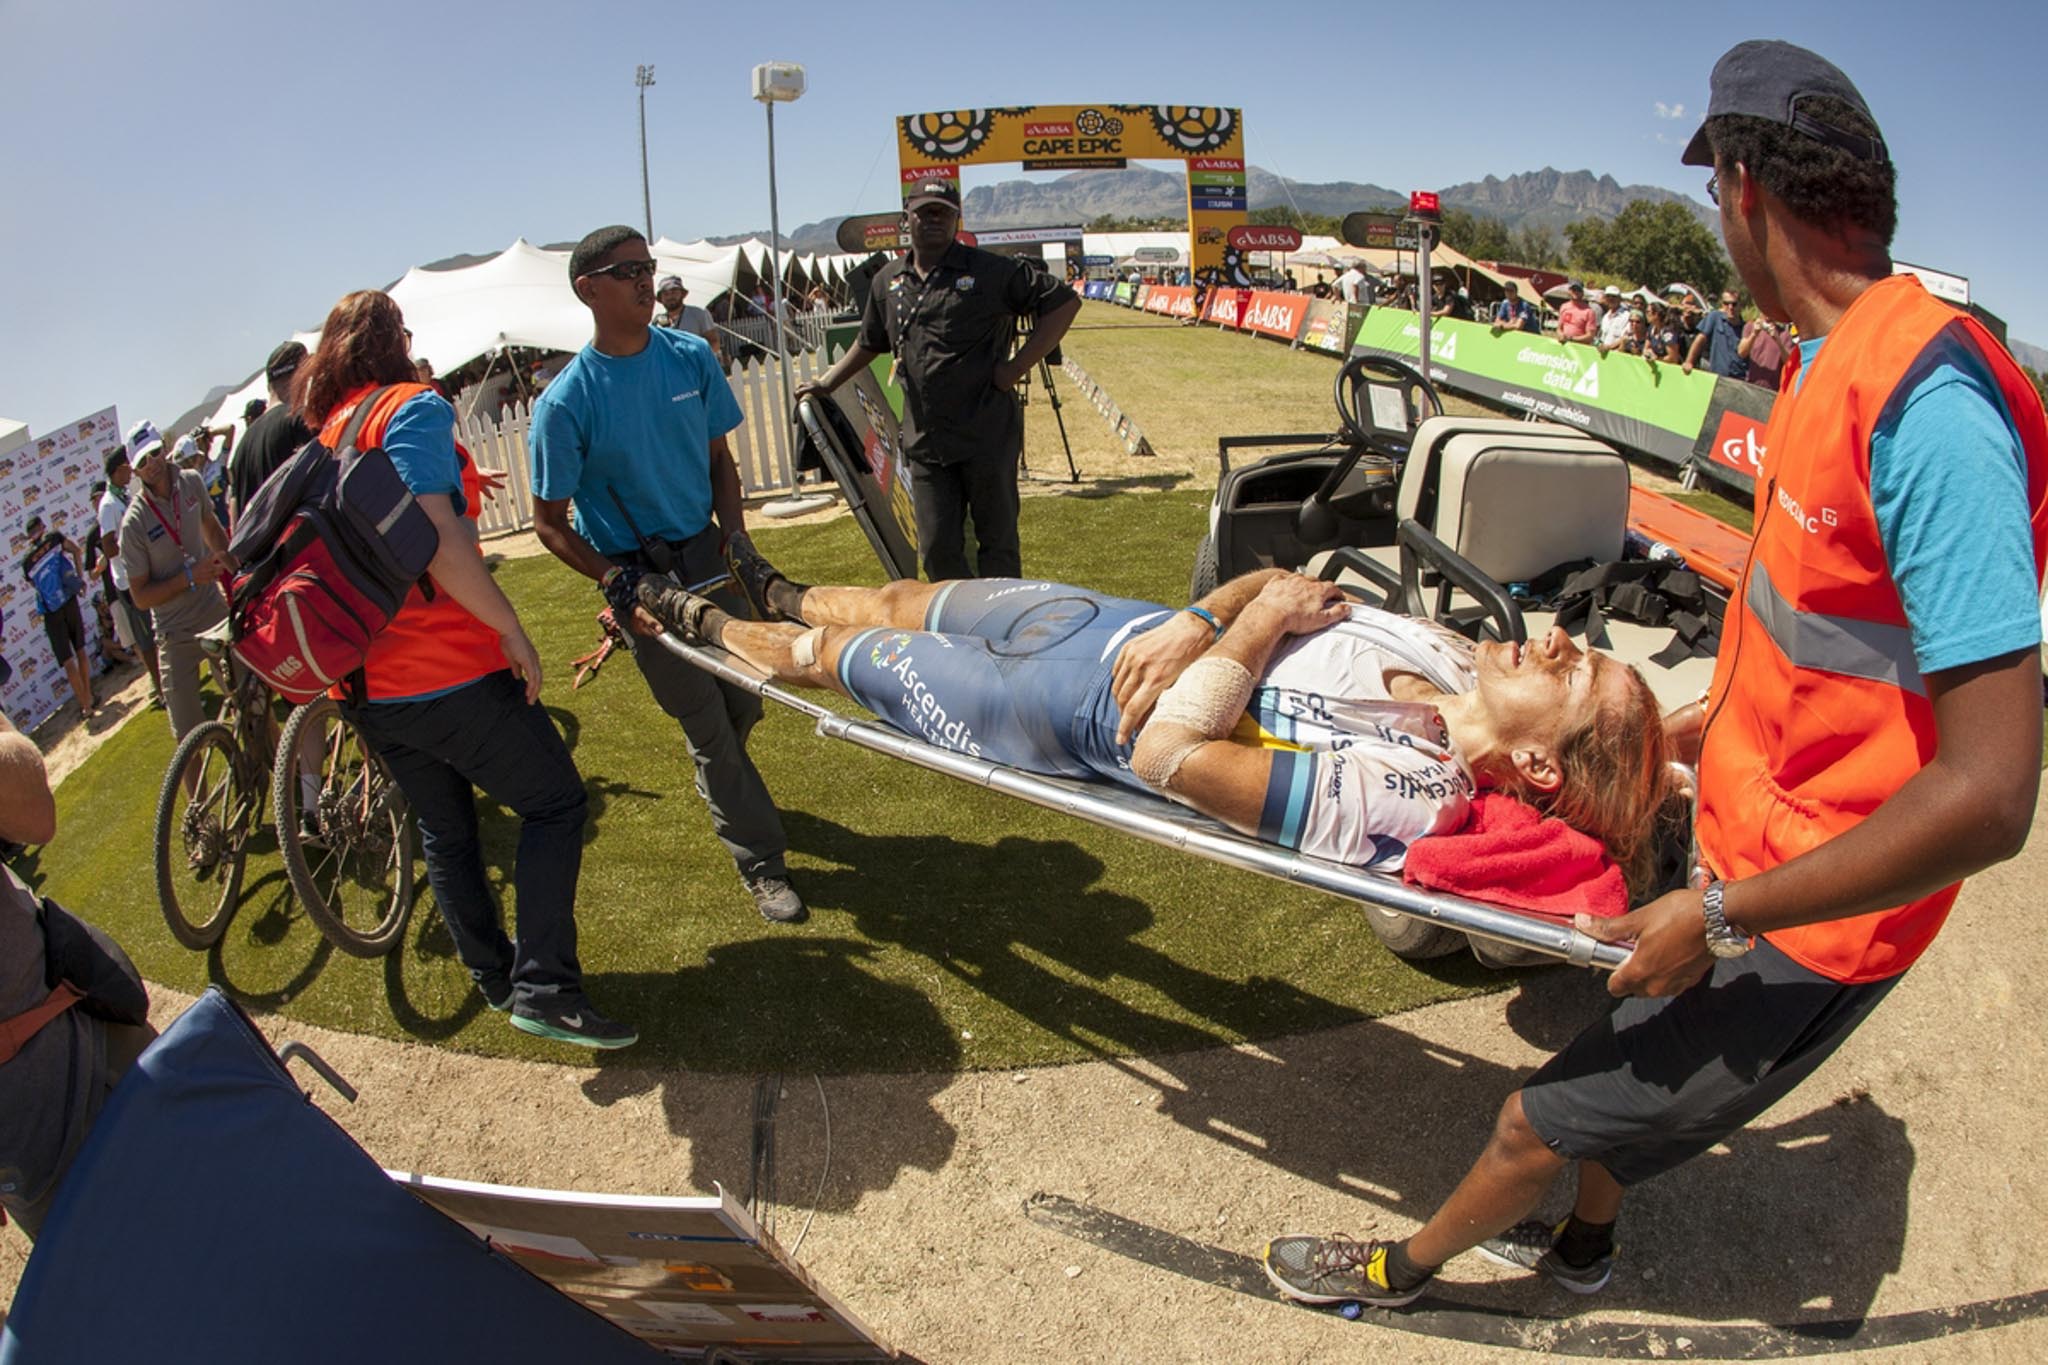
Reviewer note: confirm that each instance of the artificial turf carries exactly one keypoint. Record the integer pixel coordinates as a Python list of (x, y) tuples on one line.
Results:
[(950, 927)]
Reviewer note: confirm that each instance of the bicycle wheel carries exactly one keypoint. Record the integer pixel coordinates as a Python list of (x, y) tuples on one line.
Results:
[(348, 850), (203, 817)]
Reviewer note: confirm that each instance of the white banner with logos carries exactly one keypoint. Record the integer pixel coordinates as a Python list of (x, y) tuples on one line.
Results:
[(50, 477)]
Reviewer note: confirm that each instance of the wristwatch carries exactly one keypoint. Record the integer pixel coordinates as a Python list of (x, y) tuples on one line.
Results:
[(1723, 940)]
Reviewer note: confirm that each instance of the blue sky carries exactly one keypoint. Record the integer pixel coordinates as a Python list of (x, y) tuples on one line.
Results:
[(187, 182)]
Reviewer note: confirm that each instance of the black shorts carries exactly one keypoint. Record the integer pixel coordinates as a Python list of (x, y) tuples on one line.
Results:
[(65, 628), (1657, 1082)]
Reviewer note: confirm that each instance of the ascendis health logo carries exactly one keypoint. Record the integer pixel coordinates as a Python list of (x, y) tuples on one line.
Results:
[(1738, 443)]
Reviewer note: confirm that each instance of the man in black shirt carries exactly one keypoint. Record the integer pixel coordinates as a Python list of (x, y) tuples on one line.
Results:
[(272, 438), (948, 313)]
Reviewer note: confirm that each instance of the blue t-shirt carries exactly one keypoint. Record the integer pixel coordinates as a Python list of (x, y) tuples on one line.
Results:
[(420, 439), (640, 425), (1948, 481), (1723, 337)]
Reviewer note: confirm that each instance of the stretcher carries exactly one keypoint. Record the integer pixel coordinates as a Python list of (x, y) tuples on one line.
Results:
[(1164, 822)]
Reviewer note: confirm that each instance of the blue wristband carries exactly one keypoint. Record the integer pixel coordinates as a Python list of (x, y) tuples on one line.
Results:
[(1208, 616)]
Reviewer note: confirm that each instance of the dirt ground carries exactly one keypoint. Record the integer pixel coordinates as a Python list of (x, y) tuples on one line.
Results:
[(1908, 1179)]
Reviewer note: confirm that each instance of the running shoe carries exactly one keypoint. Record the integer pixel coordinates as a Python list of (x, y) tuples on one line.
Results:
[(1327, 1270), (1533, 1246), (572, 1021), (776, 899), (755, 576), (496, 988)]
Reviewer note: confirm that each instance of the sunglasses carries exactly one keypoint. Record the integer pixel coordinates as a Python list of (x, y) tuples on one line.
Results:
[(1714, 189), (626, 270)]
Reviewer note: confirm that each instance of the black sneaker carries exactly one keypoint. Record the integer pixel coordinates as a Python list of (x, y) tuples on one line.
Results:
[(1533, 1246), (776, 899), (754, 575), (572, 1021), (1327, 1270), (496, 989)]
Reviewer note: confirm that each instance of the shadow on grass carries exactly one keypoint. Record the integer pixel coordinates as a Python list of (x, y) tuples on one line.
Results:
[(1023, 923), (271, 953), (1096, 489)]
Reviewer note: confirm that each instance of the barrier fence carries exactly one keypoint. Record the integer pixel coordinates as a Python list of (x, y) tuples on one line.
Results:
[(1700, 422)]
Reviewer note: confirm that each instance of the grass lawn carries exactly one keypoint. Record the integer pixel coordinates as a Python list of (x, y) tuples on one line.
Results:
[(950, 928), (1185, 386)]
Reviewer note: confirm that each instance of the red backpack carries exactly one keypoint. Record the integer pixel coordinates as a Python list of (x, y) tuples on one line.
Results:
[(330, 545)]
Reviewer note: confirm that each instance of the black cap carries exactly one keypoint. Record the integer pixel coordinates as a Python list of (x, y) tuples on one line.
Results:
[(1766, 79), (284, 362), (934, 192)]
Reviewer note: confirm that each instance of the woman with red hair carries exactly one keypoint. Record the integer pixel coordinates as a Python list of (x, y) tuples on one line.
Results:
[(451, 701)]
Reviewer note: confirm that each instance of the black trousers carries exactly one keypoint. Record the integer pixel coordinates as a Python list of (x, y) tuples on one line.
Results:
[(944, 496)]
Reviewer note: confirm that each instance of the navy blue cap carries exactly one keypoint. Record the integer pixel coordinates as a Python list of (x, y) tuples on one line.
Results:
[(1767, 79)]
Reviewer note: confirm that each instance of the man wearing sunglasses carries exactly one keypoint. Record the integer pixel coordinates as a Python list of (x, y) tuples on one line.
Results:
[(631, 475)]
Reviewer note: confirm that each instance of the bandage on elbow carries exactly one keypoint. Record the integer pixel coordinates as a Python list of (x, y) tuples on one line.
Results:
[(1203, 704)]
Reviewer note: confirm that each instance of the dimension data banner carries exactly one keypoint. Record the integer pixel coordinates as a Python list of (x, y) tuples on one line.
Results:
[(1071, 137), (1621, 398)]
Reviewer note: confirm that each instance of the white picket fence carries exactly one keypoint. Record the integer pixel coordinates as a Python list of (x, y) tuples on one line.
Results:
[(761, 445)]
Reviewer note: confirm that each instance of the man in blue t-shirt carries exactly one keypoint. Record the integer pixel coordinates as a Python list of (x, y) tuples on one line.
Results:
[(631, 434), (1720, 336)]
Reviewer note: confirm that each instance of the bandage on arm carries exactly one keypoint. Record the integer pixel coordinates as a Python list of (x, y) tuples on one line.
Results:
[(1202, 706)]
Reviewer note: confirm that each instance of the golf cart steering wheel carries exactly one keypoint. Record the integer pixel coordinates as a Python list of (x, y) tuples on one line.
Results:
[(1397, 398), (1376, 425)]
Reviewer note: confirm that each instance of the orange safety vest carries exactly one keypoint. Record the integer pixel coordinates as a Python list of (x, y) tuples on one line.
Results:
[(434, 643), (1818, 712)]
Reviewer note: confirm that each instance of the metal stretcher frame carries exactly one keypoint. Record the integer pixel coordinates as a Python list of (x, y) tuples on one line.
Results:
[(1163, 822)]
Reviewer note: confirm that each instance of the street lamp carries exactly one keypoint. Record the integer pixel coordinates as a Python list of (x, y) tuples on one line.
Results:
[(643, 76), (777, 83)]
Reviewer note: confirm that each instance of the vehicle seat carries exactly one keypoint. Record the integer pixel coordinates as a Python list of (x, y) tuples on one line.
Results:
[(1516, 498)]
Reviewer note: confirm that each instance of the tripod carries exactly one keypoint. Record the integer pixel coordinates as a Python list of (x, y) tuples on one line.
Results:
[(1052, 396)]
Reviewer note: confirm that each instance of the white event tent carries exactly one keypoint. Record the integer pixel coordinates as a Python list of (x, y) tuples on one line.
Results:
[(522, 297)]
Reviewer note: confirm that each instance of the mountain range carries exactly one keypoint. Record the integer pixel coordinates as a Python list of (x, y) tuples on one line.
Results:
[(1548, 198)]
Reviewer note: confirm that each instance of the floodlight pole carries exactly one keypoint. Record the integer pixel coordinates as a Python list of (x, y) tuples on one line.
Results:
[(643, 76), (773, 83)]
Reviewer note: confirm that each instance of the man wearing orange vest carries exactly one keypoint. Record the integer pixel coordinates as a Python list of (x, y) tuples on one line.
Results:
[(1873, 732)]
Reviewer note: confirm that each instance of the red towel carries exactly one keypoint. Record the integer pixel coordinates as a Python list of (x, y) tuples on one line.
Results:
[(1508, 854)]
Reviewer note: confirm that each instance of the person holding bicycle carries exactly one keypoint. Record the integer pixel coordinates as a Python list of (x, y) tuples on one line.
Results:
[(450, 695)]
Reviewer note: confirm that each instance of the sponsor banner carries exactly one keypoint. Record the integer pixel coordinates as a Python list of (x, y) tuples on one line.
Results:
[(1207, 138), (877, 484), (685, 1275), (1226, 306), (913, 174), (1227, 179), (1379, 232), (867, 232), (1254, 238), (50, 477), (1171, 300), (1138, 297), (1075, 163), (1161, 255), (1274, 314), (1731, 444), (1328, 326), (1026, 236), (1098, 260), (1618, 398), (1097, 289), (1123, 292)]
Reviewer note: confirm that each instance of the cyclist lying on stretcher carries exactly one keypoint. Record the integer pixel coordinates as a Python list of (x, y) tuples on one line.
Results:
[(1273, 705)]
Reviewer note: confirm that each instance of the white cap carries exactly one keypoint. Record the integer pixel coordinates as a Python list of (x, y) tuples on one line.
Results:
[(144, 440)]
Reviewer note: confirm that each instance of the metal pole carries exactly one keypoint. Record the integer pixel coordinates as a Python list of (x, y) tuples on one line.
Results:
[(775, 267), (1423, 232), (643, 76)]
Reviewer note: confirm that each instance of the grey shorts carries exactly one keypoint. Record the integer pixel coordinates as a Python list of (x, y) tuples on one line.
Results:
[(1657, 1082)]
